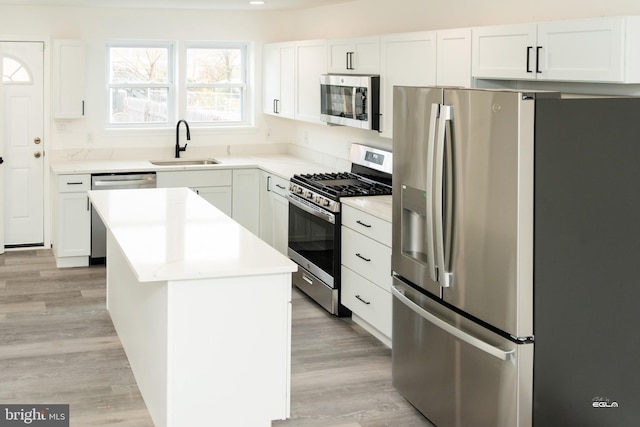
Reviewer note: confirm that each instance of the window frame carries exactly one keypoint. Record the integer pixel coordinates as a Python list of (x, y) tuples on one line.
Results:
[(178, 86), (170, 85), (245, 85)]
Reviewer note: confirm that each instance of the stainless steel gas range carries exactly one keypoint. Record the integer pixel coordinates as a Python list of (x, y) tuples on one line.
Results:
[(315, 220)]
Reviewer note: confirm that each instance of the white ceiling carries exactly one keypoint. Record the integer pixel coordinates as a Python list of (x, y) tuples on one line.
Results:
[(182, 4)]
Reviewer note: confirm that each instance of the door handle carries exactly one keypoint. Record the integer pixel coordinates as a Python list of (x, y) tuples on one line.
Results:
[(450, 329), (431, 144), (538, 59), (37, 140), (37, 154), (437, 190)]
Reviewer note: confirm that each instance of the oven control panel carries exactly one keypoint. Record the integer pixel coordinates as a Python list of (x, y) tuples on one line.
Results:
[(315, 198)]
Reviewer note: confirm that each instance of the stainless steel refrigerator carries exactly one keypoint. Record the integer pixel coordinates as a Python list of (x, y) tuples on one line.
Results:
[(516, 257)]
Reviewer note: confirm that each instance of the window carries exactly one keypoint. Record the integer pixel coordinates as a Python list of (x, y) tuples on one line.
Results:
[(212, 88), (216, 83), (141, 83), (13, 71)]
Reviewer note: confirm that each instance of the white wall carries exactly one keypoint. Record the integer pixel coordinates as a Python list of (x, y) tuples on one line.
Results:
[(363, 17)]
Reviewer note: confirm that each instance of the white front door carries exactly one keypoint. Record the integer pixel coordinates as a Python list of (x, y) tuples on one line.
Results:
[(22, 145)]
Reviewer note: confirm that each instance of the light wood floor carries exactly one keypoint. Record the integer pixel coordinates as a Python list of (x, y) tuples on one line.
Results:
[(57, 345)]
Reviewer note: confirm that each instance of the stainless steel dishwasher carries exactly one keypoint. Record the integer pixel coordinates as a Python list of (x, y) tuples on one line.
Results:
[(112, 181)]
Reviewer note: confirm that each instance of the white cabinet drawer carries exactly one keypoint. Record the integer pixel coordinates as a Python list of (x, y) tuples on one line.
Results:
[(74, 183), (367, 300), (278, 184), (367, 257), (369, 225)]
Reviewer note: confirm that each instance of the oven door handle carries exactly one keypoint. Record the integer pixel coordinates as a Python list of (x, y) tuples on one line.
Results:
[(317, 212)]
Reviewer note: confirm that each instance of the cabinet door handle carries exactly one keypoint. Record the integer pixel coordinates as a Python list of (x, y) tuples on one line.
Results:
[(350, 60), (366, 302), (528, 60), (361, 257), (538, 59), (363, 224)]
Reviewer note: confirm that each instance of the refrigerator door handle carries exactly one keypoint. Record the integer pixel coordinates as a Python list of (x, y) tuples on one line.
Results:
[(452, 330), (431, 144), (444, 277)]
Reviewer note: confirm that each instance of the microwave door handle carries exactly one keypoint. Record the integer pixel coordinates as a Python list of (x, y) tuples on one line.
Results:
[(444, 277), (354, 91), (461, 335), (431, 143)]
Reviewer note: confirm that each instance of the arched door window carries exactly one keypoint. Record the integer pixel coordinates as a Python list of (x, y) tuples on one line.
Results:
[(14, 72)]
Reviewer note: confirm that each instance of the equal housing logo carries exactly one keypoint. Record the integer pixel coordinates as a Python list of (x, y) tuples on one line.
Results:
[(34, 415)]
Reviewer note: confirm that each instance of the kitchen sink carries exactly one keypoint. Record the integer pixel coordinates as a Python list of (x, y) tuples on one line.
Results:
[(185, 162)]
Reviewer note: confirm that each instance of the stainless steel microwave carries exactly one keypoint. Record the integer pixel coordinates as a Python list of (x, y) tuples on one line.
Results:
[(350, 100)]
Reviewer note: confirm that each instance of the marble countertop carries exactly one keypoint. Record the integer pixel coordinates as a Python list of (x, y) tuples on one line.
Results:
[(379, 206), (284, 165), (173, 234)]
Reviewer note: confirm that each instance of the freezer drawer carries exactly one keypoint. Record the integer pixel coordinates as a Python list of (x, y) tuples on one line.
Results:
[(456, 372)]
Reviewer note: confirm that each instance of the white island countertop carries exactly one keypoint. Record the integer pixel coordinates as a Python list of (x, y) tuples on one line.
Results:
[(174, 234)]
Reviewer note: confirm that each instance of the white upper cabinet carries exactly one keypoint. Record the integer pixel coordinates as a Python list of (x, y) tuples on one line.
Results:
[(588, 50), (311, 62), (278, 79), (454, 58), (68, 75), (407, 59), (504, 52), (354, 56)]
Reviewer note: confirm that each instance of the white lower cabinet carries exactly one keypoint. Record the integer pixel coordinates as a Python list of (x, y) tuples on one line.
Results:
[(213, 185), (366, 271), (72, 221), (274, 211)]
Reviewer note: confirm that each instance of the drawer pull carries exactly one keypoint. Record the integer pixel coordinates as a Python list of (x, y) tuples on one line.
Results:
[(75, 183), (363, 224), (306, 279), (366, 302), (361, 257), (281, 187)]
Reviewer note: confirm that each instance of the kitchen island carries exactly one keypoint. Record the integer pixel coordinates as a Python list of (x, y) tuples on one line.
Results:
[(202, 308)]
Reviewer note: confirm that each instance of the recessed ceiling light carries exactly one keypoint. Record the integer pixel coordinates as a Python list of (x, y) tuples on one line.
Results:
[(256, 2)]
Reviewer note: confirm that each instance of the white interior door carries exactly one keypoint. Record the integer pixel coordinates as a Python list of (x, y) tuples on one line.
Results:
[(22, 143)]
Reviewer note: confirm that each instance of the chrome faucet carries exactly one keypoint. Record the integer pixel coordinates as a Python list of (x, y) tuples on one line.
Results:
[(178, 147)]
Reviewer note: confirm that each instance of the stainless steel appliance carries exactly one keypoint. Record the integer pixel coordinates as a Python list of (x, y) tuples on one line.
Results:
[(112, 181), (350, 100), (314, 221), (515, 246)]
